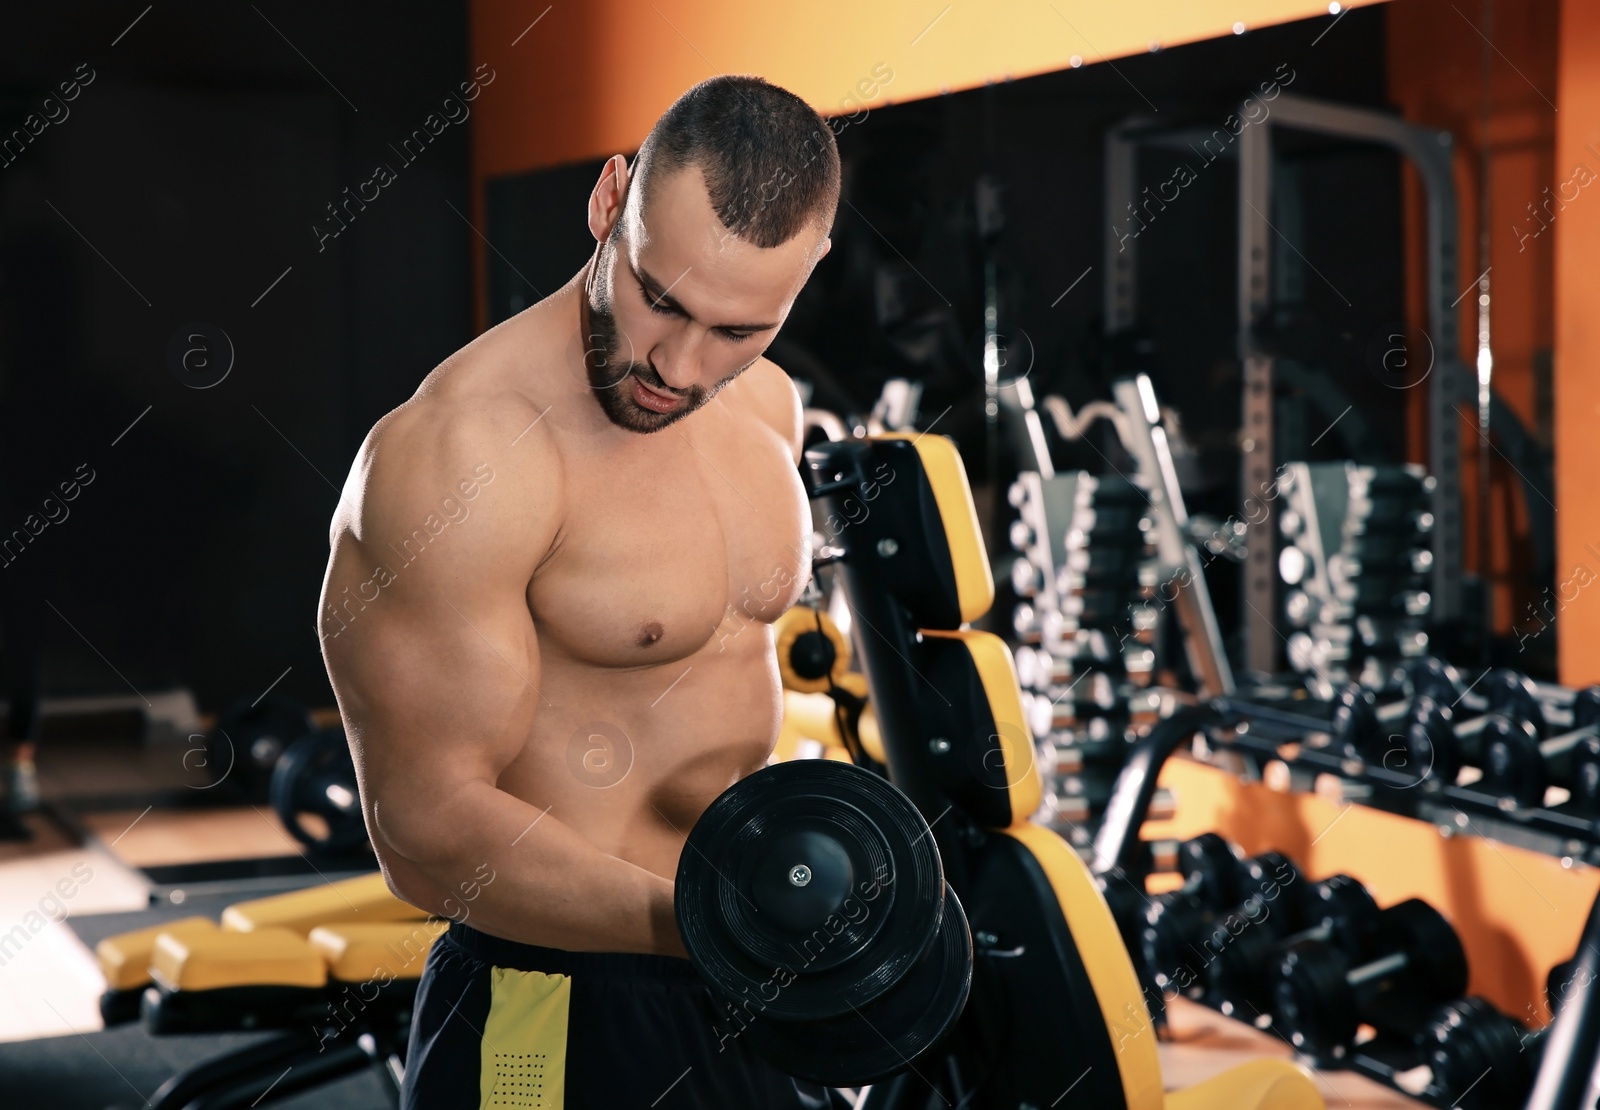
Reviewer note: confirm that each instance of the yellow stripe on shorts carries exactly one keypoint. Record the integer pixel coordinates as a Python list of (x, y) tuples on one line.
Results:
[(524, 1061)]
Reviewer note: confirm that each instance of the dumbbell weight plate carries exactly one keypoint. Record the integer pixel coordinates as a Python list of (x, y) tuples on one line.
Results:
[(1437, 964), (1431, 677), (1559, 982), (1354, 728), (1313, 999), (1476, 1055), (1265, 876), (316, 777), (1210, 869), (744, 910), (1583, 778), (1425, 749), (882, 1037), (1513, 766), (244, 747), (1514, 695), (1172, 927), (1345, 907)]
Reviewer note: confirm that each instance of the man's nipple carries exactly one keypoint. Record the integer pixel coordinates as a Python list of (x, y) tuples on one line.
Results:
[(650, 633)]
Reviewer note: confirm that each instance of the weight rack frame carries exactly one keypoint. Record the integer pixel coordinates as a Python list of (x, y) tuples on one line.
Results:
[(1256, 734), (1430, 152)]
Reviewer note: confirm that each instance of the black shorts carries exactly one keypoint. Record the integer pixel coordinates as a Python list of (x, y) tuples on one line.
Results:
[(502, 1024)]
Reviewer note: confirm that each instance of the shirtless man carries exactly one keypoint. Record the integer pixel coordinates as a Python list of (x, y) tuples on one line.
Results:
[(547, 621)]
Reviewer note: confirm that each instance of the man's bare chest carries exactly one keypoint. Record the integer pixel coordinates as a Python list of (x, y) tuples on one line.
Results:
[(664, 548)]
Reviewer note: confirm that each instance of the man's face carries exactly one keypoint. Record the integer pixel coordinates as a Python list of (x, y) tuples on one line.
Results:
[(678, 307)]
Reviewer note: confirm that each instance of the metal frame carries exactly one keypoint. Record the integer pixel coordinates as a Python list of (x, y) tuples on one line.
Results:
[(1430, 151), (1146, 441)]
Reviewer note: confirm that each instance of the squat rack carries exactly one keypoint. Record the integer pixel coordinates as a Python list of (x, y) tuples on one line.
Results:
[(1449, 382)]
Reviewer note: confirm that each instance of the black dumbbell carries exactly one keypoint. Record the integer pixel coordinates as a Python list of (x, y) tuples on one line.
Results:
[(1519, 767), (1180, 927), (1480, 1058), (1359, 726), (1207, 863), (1558, 982), (1436, 746), (1432, 677), (1321, 1000), (1352, 718), (1338, 910)]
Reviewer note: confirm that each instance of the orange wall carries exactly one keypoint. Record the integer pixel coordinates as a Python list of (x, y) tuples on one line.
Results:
[(589, 79), (1518, 913), (1577, 327)]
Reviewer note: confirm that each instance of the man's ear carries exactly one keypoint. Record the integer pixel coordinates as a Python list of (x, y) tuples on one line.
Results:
[(609, 196), (827, 245)]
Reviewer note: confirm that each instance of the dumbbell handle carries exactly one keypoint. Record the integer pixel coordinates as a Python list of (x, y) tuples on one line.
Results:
[(1560, 745), (1320, 933), (1394, 711), (1378, 968), (1389, 712)]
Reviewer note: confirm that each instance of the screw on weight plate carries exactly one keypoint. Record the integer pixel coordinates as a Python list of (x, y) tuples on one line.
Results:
[(887, 547), (938, 745), (799, 875)]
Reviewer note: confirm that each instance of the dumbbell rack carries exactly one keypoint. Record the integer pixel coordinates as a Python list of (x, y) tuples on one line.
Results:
[(1453, 1038), (1104, 562), (1250, 736), (1081, 546), (1358, 566)]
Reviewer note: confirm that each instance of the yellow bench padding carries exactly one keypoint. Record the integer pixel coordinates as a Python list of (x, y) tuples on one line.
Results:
[(947, 478), (125, 958), (358, 953), (1265, 1084), (260, 958), (365, 898)]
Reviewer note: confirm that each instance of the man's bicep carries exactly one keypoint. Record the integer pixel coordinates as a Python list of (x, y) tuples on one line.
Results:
[(438, 684), (428, 637)]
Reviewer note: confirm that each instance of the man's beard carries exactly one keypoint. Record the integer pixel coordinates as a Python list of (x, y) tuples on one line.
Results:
[(609, 375)]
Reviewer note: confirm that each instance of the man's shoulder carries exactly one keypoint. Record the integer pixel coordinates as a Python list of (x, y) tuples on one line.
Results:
[(445, 444), (769, 397), (446, 428)]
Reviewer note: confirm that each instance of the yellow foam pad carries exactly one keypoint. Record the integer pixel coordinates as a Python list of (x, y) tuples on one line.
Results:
[(997, 673), (125, 958), (1106, 960), (365, 898), (1258, 1085), (947, 478), (797, 622), (871, 738), (260, 958), (359, 953)]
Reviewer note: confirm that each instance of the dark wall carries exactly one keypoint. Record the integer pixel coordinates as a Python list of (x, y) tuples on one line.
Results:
[(901, 294), (187, 183)]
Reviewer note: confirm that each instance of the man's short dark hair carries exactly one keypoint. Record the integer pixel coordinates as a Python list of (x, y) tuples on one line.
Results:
[(770, 163)]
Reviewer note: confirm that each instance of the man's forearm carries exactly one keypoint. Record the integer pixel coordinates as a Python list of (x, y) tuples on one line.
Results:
[(520, 873)]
